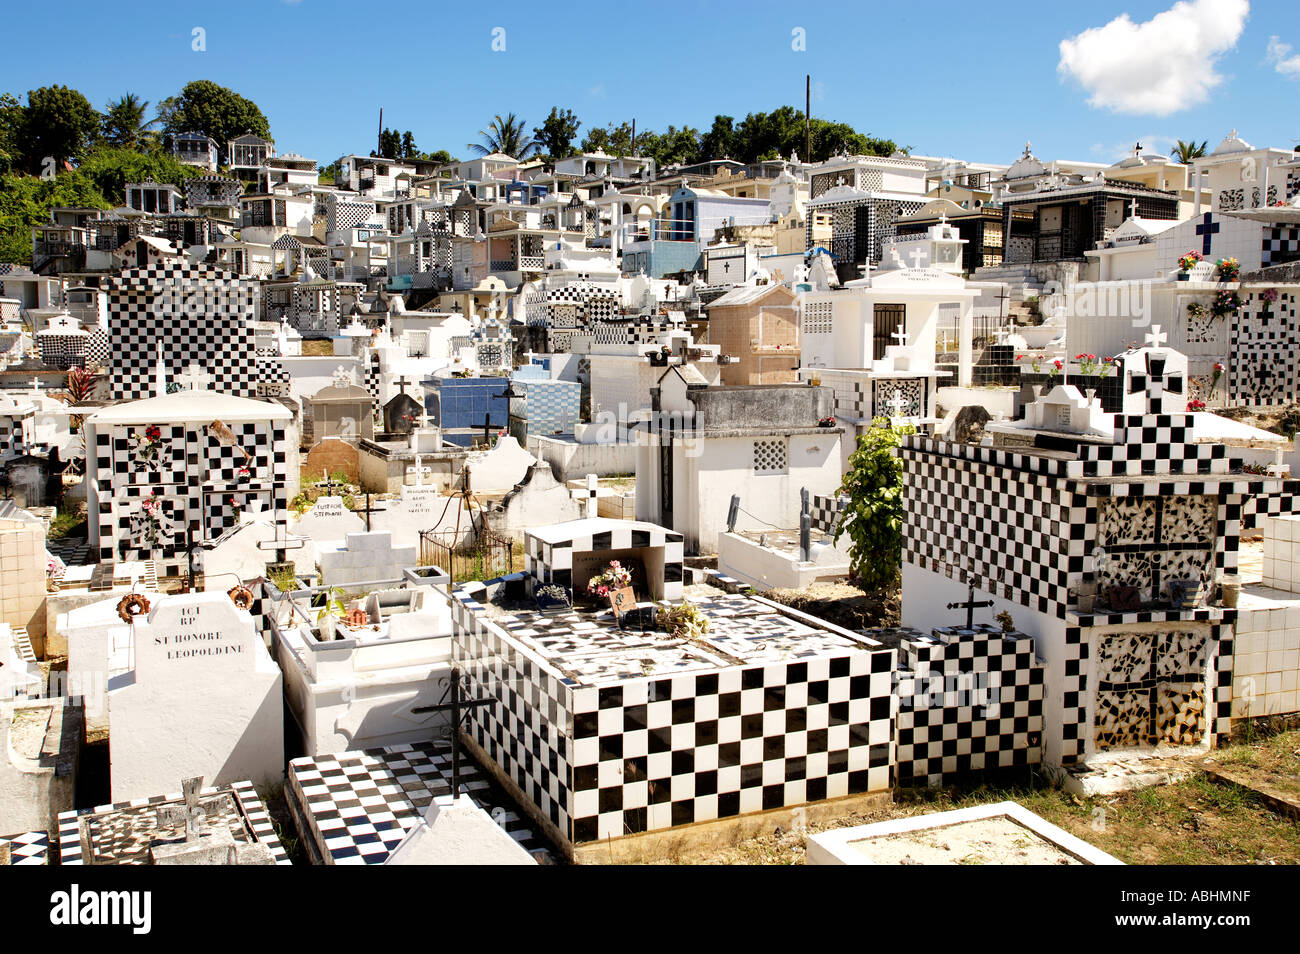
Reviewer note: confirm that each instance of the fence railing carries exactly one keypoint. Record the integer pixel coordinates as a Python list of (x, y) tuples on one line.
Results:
[(487, 556)]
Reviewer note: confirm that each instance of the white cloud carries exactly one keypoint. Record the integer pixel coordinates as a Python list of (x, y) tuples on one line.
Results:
[(1283, 60), (1157, 67)]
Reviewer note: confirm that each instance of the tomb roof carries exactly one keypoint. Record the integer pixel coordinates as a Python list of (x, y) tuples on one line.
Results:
[(192, 405)]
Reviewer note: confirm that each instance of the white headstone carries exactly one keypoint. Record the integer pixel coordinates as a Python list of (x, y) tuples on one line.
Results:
[(500, 468), (458, 832), (204, 698), (328, 519)]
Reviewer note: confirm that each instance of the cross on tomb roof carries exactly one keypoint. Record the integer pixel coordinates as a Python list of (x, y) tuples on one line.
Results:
[(342, 377), (190, 812), (901, 335), (1155, 382), (1155, 338), (194, 378)]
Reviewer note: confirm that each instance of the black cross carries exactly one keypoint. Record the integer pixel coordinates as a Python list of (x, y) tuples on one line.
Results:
[(970, 606), (368, 510), (455, 690), (1207, 228), (487, 428), (402, 383), (330, 484)]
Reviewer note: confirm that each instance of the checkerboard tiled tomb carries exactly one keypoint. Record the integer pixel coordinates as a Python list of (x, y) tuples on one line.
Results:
[(354, 808), (569, 554), (1141, 520), (27, 848), (968, 699), (122, 833)]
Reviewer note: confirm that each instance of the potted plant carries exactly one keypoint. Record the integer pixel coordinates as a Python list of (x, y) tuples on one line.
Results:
[(1228, 268), (1186, 263), (826, 422)]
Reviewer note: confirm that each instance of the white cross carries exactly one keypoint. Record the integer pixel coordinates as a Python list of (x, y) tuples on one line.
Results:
[(915, 255), (896, 404), (419, 471), (1155, 338), (342, 377), (36, 385), (195, 378), (901, 335)]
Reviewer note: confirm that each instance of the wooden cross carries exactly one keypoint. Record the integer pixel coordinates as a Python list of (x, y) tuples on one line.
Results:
[(457, 700), (970, 606)]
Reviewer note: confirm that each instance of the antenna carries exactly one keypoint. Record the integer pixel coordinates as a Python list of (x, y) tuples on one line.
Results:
[(807, 116), (379, 142)]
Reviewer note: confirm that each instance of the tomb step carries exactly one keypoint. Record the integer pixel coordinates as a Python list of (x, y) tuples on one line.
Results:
[(1111, 775)]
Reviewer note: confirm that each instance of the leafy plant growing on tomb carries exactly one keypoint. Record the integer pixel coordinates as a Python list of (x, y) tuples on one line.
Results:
[(333, 606), (684, 621), (873, 517)]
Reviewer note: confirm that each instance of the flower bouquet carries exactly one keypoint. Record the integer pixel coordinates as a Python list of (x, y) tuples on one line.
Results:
[(1267, 296), (145, 447), (1190, 260), (1215, 374), (1225, 303), (1196, 404), (1229, 269), (613, 577)]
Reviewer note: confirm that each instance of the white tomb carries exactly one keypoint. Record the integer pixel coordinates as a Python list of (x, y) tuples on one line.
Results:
[(202, 697)]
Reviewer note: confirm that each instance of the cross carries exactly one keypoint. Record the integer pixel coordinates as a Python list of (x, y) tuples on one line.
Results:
[(368, 510), (970, 606), (901, 335), (36, 385), (1206, 229), (487, 429), (342, 377), (1155, 337), (1133, 209), (329, 483), (190, 813), (419, 471), (1154, 383), (915, 255), (195, 378), (401, 383), (454, 700), (896, 404)]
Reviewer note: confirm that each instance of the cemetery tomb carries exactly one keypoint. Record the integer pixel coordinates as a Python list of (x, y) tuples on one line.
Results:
[(41, 743), (193, 459), (328, 519), (609, 731), (355, 807), (127, 832), (354, 683), (364, 558), (1108, 553), (1003, 833), (203, 697)]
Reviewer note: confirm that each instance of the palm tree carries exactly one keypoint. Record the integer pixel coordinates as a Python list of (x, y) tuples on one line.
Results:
[(1185, 152), (124, 123), (507, 136)]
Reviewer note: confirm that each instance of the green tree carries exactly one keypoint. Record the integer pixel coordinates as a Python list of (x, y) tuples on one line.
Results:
[(25, 201), (720, 141), (612, 140), (110, 169), (203, 106), (1185, 152), (58, 123), (873, 518), (11, 131), (124, 123), (554, 137), (409, 150), (673, 145), (505, 135), (390, 144)]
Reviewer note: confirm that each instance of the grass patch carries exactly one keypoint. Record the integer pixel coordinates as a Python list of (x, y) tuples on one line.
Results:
[(317, 348), (1192, 822), (68, 522)]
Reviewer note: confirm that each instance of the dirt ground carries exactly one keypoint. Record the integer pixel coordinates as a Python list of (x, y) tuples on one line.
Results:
[(844, 604)]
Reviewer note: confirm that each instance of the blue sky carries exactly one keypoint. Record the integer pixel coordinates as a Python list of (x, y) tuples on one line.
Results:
[(944, 78)]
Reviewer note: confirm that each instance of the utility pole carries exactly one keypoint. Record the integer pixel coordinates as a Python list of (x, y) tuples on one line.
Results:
[(807, 117), (379, 140), (634, 135)]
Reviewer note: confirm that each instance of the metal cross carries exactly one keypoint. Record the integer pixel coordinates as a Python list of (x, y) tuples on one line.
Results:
[(970, 606), (368, 510), (457, 700)]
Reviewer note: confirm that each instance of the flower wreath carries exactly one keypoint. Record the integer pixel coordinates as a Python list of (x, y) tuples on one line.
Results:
[(131, 606), (241, 596)]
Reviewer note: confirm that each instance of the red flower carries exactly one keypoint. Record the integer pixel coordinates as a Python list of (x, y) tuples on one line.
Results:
[(152, 432)]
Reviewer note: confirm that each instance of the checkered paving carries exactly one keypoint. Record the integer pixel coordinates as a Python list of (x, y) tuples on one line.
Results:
[(28, 848), (119, 834), (357, 806)]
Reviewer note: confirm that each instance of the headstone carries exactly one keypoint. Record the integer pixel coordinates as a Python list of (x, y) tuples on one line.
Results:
[(334, 456), (328, 519), (500, 468), (204, 699)]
